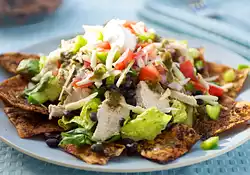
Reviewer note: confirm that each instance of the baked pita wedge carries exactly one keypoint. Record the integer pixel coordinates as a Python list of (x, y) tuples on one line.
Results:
[(29, 124), (169, 145), (10, 61), (215, 69), (84, 153), (11, 92), (232, 114)]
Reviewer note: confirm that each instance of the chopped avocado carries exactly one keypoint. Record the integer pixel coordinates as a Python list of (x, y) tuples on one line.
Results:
[(100, 36), (79, 42), (213, 111), (37, 98), (102, 56), (50, 92), (210, 143), (146, 37), (229, 75), (146, 125), (180, 115), (28, 66)]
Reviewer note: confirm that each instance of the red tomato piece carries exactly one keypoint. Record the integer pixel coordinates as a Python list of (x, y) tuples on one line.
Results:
[(58, 64), (216, 91), (55, 72), (123, 64), (104, 45), (149, 73), (187, 69), (199, 86), (86, 64)]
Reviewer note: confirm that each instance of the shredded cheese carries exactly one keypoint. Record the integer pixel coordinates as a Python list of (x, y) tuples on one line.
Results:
[(166, 94), (227, 86), (177, 72), (80, 103), (123, 75), (111, 56), (71, 72), (93, 60), (213, 78), (183, 98), (203, 82)]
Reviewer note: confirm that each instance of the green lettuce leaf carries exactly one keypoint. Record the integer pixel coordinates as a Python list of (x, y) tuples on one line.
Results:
[(146, 125), (78, 137), (83, 120), (179, 115), (28, 66)]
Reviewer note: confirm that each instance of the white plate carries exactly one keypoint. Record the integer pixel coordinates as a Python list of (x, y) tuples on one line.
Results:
[(38, 149)]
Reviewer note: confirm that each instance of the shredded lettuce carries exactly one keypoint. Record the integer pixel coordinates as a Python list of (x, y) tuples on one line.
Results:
[(78, 137), (83, 120), (146, 125), (179, 115)]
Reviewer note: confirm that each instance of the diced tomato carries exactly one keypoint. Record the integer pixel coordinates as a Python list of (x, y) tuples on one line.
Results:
[(55, 72), (104, 45), (123, 64), (216, 91), (187, 69), (82, 86), (58, 64), (86, 64), (199, 86), (149, 73)]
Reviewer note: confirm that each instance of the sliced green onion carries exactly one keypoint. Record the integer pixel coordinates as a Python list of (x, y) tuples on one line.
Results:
[(213, 111), (189, 87), (210, 143), (243, 66), (229, 75)]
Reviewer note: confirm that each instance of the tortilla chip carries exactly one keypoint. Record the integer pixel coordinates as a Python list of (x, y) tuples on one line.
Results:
[(232, 114), (11, 91), (84, 153), (10, 61), (29, 123), (169, 145), (219, 69)]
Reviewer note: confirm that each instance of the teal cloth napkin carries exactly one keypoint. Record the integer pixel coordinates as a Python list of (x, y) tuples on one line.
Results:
[(229, 25)]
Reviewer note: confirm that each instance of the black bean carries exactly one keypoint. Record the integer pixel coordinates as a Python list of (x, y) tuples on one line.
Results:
[(131, 101), (93, 116), (200, 101), (113, 87), (128, 84), (131, 148), (126, 141), (52, 143), (197, 92), (130, 93), (98, 148), (52, 135), (121, 121)]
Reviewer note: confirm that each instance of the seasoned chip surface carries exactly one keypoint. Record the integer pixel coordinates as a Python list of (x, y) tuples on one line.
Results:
[(11, 90), (169, 145), (233, 114), (10, 61), (29, 123), (219, 69), (84, 153)]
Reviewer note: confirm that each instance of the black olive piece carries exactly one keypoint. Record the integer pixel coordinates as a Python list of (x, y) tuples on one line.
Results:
[(121, 121), (98, 148), (131, 148), (204, 137), (197, 92), (51, 135), (93, 116), (131, 101), (201, 70), (52, 142), (128, 83), (200, 101)]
